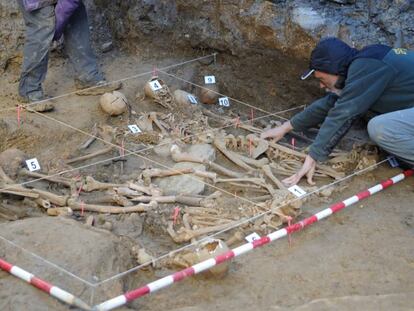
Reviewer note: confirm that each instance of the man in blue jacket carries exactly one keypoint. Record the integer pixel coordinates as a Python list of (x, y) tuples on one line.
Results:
[(376, 79), (47, 20)]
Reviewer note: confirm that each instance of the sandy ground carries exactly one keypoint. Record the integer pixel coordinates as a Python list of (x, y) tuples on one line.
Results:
[(361, 258)]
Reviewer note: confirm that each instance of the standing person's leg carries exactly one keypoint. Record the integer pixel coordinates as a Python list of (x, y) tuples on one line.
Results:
[(40, 28), (79, 50), (394, 132)]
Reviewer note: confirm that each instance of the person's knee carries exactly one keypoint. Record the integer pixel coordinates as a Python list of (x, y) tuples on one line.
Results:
[(376, 130)]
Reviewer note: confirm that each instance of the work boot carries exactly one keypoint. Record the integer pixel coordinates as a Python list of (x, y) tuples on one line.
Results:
[(97, 88), (37, 101)]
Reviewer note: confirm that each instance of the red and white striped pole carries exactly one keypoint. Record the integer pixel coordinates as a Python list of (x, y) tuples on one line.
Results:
[(207, 264), (54, 291)]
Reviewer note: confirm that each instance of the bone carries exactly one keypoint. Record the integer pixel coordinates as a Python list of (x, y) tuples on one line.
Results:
[(111, 198), (55, 179), (257, 163), (5, 177), (223, 170), (91, 139), (89, 156), (43, 203), (151, 173), (179, 156), (60, 211), (92, 184), (287, 150), (51, 197), (186, 235), (237, 237), (140, 208), (150, 190), (22, 192), (268, 172), (153, 118), (261, 145), (220, 145)]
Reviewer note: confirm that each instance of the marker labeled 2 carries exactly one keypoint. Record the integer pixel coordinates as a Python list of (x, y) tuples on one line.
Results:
[(297, 191), (33, 165), (134, 128)]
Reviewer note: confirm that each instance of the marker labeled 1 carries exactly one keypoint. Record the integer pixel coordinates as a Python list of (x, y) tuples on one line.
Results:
[(33, 165), (252, 237), (297, 191)]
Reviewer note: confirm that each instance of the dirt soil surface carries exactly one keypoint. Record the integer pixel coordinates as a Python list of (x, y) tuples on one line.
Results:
[(361, 258)]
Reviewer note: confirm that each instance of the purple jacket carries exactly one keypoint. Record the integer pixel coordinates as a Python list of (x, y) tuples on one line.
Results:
[(63, 11), (31, 5)]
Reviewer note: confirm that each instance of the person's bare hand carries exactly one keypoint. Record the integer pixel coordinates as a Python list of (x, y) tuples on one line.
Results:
[(307, 169), (277, 133)]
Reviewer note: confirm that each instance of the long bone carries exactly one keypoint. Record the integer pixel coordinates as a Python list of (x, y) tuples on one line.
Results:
[(186, 235), (77, 206), (89, 156), (220, 145), (179, 156), (55, 179), (92, 184), (268, 172), (153, 117)]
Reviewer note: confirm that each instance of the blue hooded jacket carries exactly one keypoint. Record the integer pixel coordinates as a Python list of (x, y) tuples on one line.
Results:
[(377, 79)]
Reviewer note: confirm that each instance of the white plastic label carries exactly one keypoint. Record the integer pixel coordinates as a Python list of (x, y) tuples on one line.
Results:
[(252, 237), (210, 80), (33, 165), (224, 102), (192, 99), (393, 161), (298, 191), (155, 85), (134, 128)]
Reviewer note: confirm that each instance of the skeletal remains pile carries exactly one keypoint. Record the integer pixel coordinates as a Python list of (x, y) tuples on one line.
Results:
[(249, 166)]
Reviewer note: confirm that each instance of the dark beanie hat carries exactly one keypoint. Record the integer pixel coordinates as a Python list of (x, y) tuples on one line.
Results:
[(331, 55)]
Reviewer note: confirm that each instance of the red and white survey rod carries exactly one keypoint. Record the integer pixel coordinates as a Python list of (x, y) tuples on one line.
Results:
[(207, 264), (54, 291)]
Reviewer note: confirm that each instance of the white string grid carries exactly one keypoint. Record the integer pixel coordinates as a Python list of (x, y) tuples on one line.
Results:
[(136, 153)]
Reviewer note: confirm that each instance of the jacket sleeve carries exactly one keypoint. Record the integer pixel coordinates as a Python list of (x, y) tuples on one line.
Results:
[(314, 114), (367, 79), (63, 11)]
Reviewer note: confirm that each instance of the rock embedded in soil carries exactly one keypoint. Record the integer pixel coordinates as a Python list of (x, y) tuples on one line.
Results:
[(84, 251), (182, 184)]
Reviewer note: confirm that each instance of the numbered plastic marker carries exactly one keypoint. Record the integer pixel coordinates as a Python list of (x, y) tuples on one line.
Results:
[(297, 191), (192, 99), (33, 165), (252, 237), (209, 79), (224, 102), (134, 128), (155, 85)]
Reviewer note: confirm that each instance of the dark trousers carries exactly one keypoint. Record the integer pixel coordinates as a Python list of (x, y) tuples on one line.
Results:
[(40, 28)]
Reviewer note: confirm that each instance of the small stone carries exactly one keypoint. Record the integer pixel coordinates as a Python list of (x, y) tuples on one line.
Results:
[(107, 226), (90, 221), (107, 46), (182, 184)]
